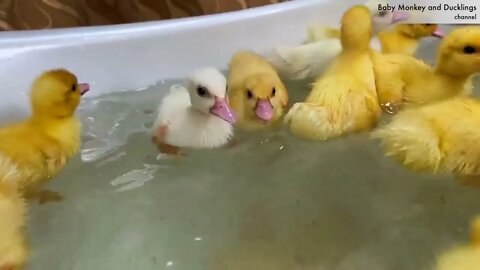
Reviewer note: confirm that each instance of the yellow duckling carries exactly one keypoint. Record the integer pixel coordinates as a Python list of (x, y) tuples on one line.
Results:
[(441, 137), (343, 99), (13, 250), (405, 38), (323, 45), (41, 144), (255, 91), (463, 258), (402, 39), (404, 79)]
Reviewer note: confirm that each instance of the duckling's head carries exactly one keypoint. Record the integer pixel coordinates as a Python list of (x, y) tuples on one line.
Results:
[(459, 53), (421, 30), (208, 89), (384, 19), (56, 93), (264, 97), (356, 29)]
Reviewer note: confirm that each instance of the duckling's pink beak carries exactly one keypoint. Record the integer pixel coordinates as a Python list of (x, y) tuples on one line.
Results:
[(399, 16), (264, 110), (222, 110), (438, 33), (84, 88)]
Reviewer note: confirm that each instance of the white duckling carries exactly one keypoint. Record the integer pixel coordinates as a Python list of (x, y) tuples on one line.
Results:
[(195, 117), (323, 44)]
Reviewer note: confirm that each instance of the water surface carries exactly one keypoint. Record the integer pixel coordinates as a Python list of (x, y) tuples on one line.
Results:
[(272, 202)]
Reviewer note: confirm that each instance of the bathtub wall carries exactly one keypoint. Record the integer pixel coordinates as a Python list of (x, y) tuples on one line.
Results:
[(121, 57)]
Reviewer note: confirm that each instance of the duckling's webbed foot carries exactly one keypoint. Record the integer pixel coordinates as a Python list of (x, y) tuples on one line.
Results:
[(472, 181), (8, 267), (233, 143), (45, 196), (170, 150)]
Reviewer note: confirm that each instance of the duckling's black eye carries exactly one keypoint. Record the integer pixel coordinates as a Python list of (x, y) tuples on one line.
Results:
[(274, 91), (74, 87), (202, 91), (469, 50), (249, 94), (382, 13), (428, 24)]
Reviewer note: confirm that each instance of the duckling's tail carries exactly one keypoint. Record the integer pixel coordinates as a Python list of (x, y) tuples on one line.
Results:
[(312, 121), (13, 251), (412, 141), (356, 30), (331, 115)]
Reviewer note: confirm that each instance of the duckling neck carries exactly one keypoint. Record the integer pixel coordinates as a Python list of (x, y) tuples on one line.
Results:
[(454, 75), (66, 130), (404, 33), (355, 40), (398, 41), (453, 85), (351, 46)]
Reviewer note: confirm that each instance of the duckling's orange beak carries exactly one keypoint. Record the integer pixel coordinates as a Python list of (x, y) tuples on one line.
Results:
[(84, 88), (438, 33), (399, 16), (264, 110), (222, 109)]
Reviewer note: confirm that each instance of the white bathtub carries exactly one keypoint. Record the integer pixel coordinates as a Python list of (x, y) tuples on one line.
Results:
[(98, 228), (133, 56)]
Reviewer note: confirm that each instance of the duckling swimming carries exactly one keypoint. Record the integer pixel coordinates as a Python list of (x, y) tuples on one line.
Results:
[(256, 92), (442, 137), (343, 100), (198, 116), (323, 44), (41, 145), (402, 79)]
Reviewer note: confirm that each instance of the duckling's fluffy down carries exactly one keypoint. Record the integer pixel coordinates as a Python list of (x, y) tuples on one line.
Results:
[(460, 259), (463, 258), (12, 218), (329, 113), (188, 127), (440, 137), (344, 98)]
